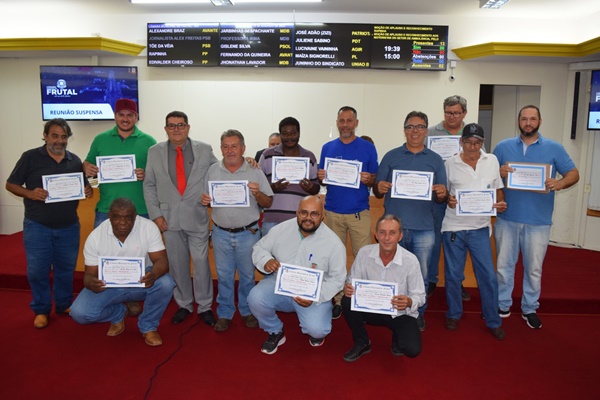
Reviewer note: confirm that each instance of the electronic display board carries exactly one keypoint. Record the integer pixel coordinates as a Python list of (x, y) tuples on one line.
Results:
[(255, 45), (190, 45)]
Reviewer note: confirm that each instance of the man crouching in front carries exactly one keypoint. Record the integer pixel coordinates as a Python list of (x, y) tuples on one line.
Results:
[(385, 262), (126, 237)]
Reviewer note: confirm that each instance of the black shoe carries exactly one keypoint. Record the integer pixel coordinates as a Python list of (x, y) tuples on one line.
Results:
[(273, 342), (314, 342), (180, 316), (396, 350), (451, 324), (208, 317), (498, 333), (532, 320), (336, 312), (421, 323), (465, 295), (431, 288), (357, 352), (503, 314)]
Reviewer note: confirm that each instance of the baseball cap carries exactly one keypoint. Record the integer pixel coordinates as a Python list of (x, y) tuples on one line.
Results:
[(126, 104), (473, 130)]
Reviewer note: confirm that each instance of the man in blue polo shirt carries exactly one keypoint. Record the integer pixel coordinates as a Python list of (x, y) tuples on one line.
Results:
[(525, 225)]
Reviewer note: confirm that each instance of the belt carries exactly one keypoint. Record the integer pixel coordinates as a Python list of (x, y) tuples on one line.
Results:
[(238, 230)]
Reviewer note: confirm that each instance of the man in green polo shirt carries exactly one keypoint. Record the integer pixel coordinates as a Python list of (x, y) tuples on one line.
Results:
[(123, 139)]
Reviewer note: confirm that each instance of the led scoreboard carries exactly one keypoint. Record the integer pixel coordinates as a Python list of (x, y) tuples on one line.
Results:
[(301, 45)]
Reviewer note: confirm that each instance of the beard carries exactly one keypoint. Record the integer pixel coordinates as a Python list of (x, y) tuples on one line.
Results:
[(58, 151), (311, 229), (533, 132)]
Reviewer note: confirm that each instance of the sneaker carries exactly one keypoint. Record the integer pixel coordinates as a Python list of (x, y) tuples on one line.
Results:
[(498, 333), (451, 324), (421, 323), (503, 314), (314, 342), (336, 312), (431, 288), (532, 320), (464, 294), (357, 352), (273, 342), (396, 350)]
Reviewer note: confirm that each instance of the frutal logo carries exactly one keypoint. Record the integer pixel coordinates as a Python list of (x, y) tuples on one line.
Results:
[(60, 90)]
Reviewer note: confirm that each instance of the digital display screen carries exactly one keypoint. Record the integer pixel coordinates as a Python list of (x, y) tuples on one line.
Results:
[(594, 114)]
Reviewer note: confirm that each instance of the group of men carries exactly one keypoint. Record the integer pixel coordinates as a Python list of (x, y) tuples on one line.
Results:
[(171, 197)]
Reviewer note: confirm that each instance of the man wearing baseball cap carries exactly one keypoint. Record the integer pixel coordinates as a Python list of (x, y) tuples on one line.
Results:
[(475, 170)]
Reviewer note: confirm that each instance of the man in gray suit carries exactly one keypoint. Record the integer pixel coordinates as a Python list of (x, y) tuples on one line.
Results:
[(174, 182)]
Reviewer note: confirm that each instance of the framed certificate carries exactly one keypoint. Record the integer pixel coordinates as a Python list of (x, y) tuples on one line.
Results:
[(121, 271), (229, 193), (373, 296), (114, 169), (340, 172), (292, 169), (64, 187), (528, 176), (476, 202), (445, 146), (413, 185), (295, 281)]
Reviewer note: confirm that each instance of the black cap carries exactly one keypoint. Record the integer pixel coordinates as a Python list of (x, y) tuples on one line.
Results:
[(473, 130)]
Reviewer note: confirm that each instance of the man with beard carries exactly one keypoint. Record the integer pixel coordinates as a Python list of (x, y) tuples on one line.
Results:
[(287, 195), (525, 225), (304, 242), (50, 230), (123, 139)]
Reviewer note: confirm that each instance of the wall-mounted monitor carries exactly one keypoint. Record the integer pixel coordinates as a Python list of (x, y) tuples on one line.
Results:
[(85, 92), (594, 111)]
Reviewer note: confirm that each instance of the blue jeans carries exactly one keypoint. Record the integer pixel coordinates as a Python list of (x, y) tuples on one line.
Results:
[(101, 217), (233, 251), (420, 243), (477, 242), (532, 242), (50, 249), (433, 270), (108, 306), (266, 227), (315, 320)]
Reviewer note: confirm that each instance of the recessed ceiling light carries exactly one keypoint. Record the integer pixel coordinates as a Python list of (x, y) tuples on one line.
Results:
[(492, 4)]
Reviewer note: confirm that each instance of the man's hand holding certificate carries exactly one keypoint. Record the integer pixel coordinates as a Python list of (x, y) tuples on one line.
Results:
[(229, 193), (292, 169), (114, 169), (121, 271), (476, 202), (342, 172), (295, 281), (415, 185), (528, 176), (374, 296), (64, 187)]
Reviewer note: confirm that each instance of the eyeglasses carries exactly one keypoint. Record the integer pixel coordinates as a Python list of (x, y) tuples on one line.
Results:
[(411, 128), (472, 143), (455, 114), (313, 214), (177, 126)]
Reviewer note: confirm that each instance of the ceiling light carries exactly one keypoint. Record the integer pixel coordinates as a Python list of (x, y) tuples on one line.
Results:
[(220, 2), (492, 4)]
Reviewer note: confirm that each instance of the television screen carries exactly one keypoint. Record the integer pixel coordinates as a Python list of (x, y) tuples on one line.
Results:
[(594, 114), (85, 92)]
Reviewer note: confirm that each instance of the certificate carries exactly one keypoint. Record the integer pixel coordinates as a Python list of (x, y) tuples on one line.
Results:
[(292, 169), (445, 146), (295, 281), (121, 271), (373, 296), (113, 169), (476, 202), (229, 193), (528, 176), (64, 187), (413, 185), (340, 172)]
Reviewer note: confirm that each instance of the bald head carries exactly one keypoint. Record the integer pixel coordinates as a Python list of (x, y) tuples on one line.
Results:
[(310, 214)]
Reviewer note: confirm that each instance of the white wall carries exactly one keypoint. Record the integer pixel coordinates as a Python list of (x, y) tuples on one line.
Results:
[(253, 100)]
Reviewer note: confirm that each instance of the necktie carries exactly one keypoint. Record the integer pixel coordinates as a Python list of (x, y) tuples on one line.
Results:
[(180, 170)]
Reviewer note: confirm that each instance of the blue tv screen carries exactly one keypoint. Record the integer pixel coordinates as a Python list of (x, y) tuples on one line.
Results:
[(594, 111), (86, 93)]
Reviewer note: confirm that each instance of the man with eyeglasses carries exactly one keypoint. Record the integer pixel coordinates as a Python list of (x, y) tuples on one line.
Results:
[(305, 242), (287, 195), (416, 214), (124, 138), (471, 169), (455, 111), (175, 179)]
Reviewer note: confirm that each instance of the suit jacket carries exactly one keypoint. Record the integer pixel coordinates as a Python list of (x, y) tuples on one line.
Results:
[(162, 197)]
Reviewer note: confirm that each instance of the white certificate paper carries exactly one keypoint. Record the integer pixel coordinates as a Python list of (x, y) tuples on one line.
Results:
[(113, 169), (413, 185), (445, 146), (342, 172), (373, 296), (64, 187), (121, 271), (292, 169), (528, 176), (229, 193), (476, 202), (295, 281)]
